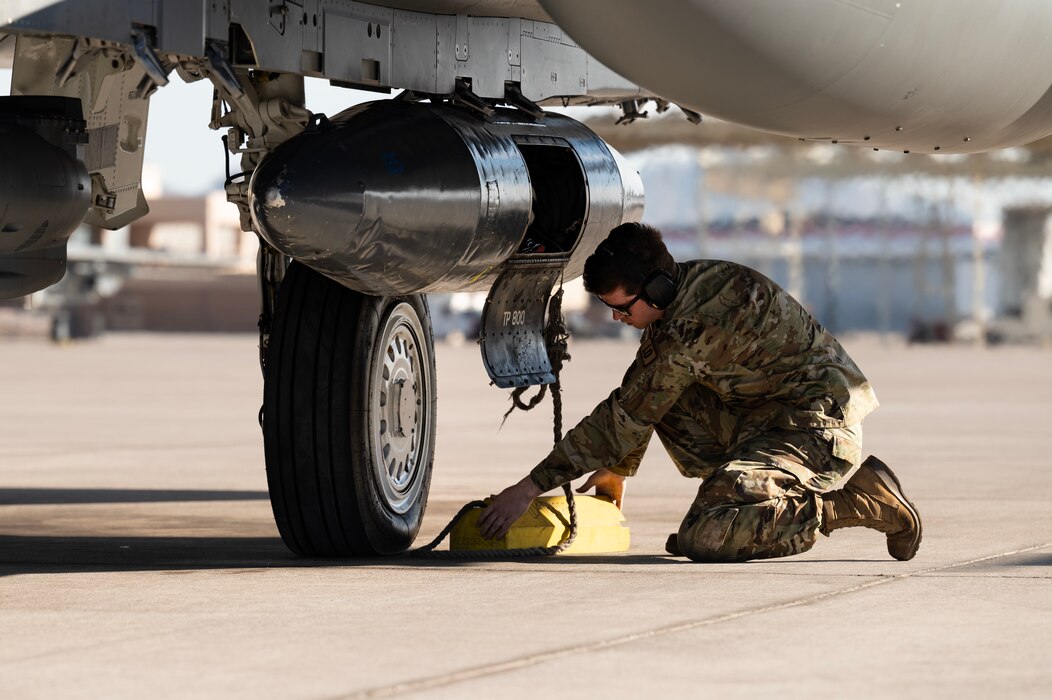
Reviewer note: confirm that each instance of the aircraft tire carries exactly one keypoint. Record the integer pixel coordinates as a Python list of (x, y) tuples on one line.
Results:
[(348, 417)]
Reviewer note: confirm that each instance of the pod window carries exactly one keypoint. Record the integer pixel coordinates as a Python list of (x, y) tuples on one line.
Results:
[(559, 199)]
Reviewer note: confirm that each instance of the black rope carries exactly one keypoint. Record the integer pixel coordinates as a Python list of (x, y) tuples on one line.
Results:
[(556, 336)]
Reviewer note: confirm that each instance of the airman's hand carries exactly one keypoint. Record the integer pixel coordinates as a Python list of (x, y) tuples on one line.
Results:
[(506, 507), (608, 484)]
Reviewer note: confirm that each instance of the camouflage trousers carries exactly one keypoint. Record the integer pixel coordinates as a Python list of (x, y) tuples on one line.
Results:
[(761, 491)]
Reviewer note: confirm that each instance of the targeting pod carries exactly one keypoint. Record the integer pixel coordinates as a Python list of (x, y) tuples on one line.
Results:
[(395, 197)]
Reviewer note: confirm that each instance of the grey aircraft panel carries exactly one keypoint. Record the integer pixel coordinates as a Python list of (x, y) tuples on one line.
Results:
[(524, 9), (368, 45), (7, 50)]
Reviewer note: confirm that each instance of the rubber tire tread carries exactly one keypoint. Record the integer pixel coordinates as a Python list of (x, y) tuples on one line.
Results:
[(315, 417)]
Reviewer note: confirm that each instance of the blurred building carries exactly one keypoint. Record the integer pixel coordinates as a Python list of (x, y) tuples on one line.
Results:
[(868, 241), (185, 266)]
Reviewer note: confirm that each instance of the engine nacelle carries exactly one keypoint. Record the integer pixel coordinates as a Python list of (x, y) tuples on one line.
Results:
[(44, 189), (394, 197)]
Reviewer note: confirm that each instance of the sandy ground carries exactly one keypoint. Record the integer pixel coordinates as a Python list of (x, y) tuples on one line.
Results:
[(138, 557)]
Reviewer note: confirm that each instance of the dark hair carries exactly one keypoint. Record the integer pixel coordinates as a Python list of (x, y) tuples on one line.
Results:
[(628, 255)]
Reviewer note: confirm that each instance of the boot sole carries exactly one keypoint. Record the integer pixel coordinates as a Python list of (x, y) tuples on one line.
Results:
[(884, 473), (672, 545)]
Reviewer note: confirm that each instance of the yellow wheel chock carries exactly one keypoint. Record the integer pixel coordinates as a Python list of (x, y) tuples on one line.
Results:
[(601, 528)]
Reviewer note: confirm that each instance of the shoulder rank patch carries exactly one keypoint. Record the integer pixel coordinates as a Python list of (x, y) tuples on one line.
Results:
[(648, 350)]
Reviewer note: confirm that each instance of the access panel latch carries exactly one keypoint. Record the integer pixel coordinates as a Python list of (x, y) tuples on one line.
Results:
[(512, 337)]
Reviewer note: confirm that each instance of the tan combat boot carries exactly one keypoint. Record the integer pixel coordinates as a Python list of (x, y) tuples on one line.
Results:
[(873, 498)]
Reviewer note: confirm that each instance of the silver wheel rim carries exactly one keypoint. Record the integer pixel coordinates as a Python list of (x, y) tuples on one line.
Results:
[(400, 416)]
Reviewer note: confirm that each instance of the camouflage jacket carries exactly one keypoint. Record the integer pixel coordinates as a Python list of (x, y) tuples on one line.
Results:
[(743, 338)]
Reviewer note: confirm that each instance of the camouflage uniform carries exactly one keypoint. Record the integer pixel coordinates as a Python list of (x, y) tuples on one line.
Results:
[(747, 392)]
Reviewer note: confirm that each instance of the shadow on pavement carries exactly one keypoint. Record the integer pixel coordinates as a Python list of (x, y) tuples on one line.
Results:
[(1028, 559), (72, 554), (36, 496), (574, 559)]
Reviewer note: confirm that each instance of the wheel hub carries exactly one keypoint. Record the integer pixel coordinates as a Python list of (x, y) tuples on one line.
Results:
[(405, 394), (401, 407)]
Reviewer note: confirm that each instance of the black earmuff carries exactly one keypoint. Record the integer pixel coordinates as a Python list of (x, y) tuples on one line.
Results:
[(658, 289)]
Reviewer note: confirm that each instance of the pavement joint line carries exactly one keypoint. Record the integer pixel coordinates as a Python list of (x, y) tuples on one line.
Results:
[(491, 669), (974, 577)]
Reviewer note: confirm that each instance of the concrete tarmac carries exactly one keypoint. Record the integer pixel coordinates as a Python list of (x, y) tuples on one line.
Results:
[(138, 556)]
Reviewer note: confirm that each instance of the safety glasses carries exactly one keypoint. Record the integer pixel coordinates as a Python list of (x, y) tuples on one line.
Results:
[(623, 309)]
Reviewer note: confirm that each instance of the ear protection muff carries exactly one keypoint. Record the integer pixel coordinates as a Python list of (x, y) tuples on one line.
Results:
[(657, 289)]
